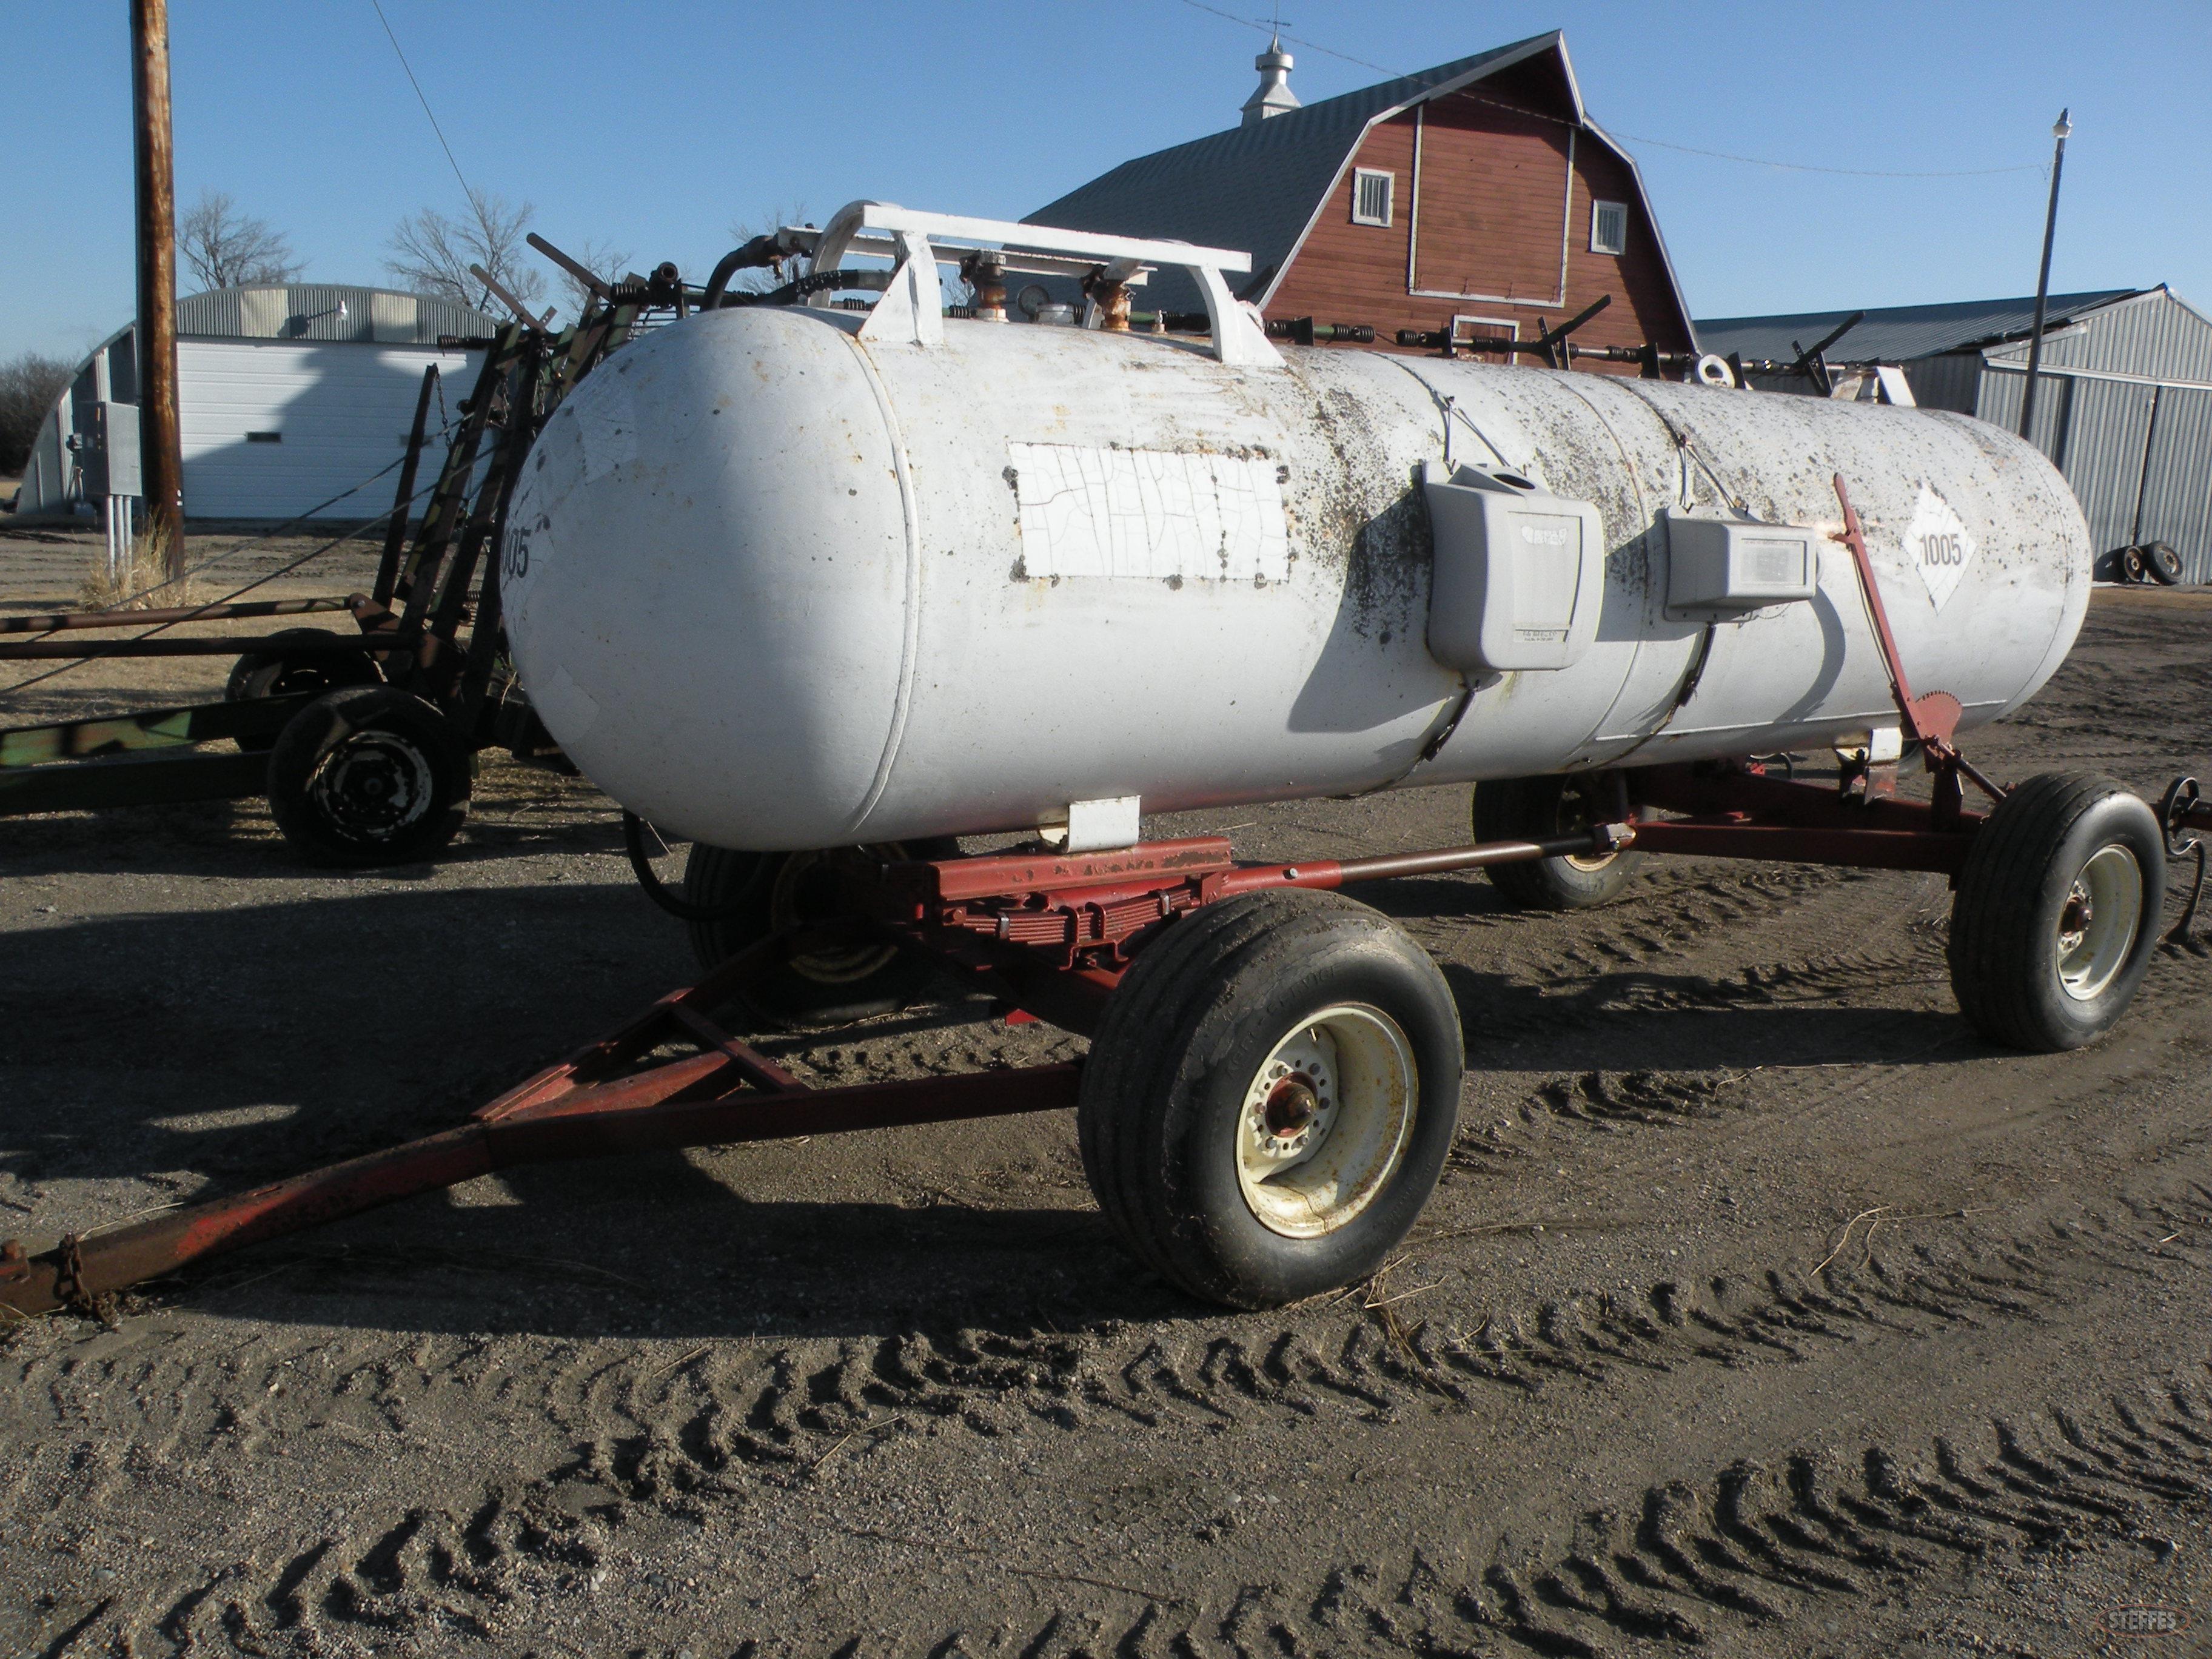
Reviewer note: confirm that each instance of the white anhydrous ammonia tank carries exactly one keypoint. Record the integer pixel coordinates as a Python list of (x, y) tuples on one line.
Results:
[(775, 586)]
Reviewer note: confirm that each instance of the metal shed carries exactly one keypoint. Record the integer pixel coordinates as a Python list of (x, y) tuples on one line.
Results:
[(287, 397), (2125, 411)]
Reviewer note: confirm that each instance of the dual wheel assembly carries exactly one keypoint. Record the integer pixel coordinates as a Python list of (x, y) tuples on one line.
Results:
[(2153, 561), (368, 774), (1273, 1086)]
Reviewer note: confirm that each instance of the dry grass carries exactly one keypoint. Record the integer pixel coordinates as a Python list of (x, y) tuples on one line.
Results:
[(145, 571)]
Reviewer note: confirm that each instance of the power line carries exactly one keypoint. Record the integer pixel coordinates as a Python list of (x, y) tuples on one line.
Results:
[(1658, 143), (425, 102), (1807, 167)]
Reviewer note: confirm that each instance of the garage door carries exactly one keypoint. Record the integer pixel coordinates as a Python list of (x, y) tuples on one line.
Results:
[(275, 428)]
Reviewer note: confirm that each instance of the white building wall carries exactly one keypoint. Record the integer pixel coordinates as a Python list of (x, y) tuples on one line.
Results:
[(275, 428)]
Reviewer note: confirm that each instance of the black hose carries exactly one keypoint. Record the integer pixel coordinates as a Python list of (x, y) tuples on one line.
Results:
[(814, 282), (761, 251), (659, 891)]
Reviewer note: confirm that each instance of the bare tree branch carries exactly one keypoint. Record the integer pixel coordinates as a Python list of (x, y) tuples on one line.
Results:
[(430, 252), (28, 386), (229, 249), (599, 256)]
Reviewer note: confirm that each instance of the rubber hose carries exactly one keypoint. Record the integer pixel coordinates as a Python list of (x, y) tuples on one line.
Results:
[(659, 891)]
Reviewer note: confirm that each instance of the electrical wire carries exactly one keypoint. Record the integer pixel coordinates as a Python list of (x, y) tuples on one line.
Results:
[(362, 528), (377, 6), (1613, 132)]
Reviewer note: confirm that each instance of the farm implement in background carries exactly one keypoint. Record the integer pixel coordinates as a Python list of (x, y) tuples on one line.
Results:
[(361, 741)]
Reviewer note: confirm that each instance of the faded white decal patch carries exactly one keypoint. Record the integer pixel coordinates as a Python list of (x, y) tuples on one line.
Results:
[(1937, 544), (1149, 515)]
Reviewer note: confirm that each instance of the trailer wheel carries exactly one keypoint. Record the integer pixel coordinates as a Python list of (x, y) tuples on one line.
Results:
[(1537, 809), (746, 896), (271, 673), (369, 775), (2132, 564), (1270, 1097), (2053, 927), (2162, 562)]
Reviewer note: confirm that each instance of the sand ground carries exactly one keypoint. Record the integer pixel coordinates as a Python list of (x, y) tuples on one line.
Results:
[(1764, 1309)]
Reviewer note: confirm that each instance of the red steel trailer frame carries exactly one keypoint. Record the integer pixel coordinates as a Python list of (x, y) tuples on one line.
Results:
[(1052, 934)]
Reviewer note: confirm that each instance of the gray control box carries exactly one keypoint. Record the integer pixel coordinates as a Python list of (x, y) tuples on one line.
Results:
[(1520, 574), (1733, 564)]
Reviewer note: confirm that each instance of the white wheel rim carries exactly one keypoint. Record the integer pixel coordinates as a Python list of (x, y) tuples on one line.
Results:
[(2098, 923), (374, 785), (1576, 813), (1324, 1120)]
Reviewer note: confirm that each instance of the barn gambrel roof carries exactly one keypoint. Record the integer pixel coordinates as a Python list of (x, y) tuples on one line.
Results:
[(1262, 188)]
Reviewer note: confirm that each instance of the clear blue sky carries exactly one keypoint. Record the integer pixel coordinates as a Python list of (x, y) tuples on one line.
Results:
[(654, 127)]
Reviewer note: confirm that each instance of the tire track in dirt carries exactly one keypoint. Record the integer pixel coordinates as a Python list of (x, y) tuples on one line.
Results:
[(1756, 1545)]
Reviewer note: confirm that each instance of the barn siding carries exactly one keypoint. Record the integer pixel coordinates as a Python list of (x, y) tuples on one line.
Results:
[(1491, 208)]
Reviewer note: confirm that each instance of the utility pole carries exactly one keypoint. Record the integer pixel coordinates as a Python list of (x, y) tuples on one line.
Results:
[(2059, 132), (160, 446)]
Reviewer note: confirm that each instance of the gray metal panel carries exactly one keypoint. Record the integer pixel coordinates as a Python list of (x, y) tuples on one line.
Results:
[(309, 310), (2176, 506), (2155, 334), (2094, 429), (1952, 381), (1895, 334)]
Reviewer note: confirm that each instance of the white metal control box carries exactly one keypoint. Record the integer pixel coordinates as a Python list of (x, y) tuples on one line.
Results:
[(1735, 564), (1520, 573)]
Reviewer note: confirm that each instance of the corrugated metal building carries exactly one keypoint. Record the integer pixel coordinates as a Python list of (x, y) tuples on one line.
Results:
[(287, 397), (2125, 408)]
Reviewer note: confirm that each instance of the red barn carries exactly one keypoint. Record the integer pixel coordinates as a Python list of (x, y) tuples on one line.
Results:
[(1478, 195)]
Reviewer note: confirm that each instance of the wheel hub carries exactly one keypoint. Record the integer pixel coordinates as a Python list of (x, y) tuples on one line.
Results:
[(2097, 924), (1291, 1108), (374, 785), (1324, 1120)]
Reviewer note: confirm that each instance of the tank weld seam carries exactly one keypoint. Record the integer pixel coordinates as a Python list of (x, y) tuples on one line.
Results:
[(1645, 515), (910, 636), (1690, 450), (1440, 734), (1689, 690), (1448, 406)]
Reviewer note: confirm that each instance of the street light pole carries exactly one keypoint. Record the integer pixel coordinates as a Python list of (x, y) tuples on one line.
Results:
[(2059, 132), (160, 446)]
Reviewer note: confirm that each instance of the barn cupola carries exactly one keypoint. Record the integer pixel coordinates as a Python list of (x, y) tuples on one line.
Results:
[(1274, 95)]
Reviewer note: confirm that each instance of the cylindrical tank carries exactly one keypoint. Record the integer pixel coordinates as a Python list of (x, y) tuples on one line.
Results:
[(774, 586)]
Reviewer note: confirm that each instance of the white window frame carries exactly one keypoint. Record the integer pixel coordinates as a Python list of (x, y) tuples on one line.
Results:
[(1491, 327), (1359, 177), (1597, 217)]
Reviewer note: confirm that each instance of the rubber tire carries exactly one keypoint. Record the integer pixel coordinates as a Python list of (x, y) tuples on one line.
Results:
[(2132, 565), (1536, 809), (270, 674), (2162, 563), (307, 742), (2003, 953), (1163, 1089), (741, 886)]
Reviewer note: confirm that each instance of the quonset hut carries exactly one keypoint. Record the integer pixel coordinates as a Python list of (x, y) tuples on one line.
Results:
[(287, 396)]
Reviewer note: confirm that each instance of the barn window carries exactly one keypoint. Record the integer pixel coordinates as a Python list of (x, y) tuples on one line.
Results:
[(265, 437), (1371, 195), (1609, 226)]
